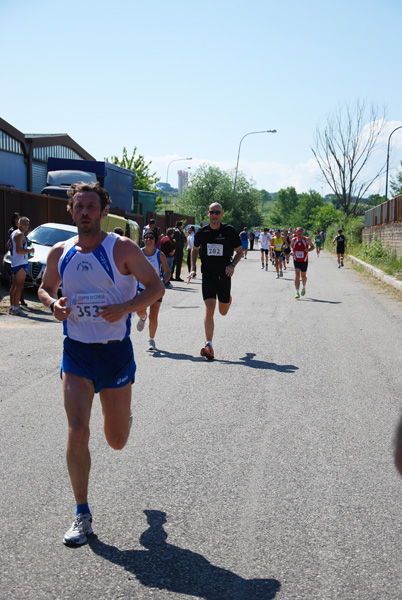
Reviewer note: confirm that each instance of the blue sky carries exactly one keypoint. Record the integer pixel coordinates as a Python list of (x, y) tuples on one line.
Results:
[(189, 79)]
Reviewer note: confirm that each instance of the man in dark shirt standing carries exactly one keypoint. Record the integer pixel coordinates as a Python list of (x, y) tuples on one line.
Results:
[(216, 244), (180, 239), (168, 247)]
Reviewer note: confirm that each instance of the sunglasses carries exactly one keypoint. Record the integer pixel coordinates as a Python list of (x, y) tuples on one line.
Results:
[(214, 212)]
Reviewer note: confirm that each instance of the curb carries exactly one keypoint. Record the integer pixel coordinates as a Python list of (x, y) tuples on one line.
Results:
[(396, 283)]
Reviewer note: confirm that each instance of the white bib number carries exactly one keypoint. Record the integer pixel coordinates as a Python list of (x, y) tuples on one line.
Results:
[(215, 249), (299, 254), (85, 307)]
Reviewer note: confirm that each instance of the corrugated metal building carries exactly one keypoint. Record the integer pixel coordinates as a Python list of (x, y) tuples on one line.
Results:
[(23, 157)]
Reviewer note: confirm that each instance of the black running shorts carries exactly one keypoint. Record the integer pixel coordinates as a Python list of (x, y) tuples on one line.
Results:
[(300, 265), (216, 286)]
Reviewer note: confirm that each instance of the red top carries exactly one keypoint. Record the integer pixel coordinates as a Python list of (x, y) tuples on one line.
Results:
[(300, 253)]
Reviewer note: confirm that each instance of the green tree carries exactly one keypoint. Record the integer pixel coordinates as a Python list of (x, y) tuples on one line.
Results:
[(210, 184), (302, 214), (323, 216), (287, 201), (246, 207), (144, 180), (374, 200), (396, 184)]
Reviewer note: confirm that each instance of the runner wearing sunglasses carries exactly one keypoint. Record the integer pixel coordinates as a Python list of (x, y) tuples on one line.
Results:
[(219, 247)]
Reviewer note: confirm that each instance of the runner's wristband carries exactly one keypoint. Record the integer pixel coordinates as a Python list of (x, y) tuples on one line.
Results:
[(51, 306), (233, 264)]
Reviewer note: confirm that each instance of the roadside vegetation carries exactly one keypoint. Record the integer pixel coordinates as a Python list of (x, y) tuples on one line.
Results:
[(375, 254)]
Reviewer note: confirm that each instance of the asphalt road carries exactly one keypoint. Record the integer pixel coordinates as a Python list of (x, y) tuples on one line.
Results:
[(267, 473)]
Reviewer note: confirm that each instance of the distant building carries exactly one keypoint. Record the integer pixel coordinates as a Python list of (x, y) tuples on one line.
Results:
[(183, 181), (23, 157)]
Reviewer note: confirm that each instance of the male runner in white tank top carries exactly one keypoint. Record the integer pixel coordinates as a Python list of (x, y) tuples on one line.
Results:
[(98, 273)]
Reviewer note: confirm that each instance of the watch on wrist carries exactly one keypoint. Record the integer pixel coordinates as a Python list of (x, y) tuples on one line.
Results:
[(233, 264), (51, 306)]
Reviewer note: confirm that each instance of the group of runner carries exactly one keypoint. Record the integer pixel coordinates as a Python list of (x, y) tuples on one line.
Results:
[(99, 272)]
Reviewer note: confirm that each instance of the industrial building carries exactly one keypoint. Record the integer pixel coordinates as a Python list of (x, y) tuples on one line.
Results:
[(23, 156)]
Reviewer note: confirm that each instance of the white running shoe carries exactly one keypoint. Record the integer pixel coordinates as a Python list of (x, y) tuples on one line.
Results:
[(266, 267), (277, 276), (141, 323), (79, 530), (262, 266), (151, 345)]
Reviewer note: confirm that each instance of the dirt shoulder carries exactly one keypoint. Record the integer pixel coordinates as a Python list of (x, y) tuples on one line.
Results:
[(31, 298)]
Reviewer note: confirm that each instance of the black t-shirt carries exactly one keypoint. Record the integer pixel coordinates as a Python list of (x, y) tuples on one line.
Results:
[(216, 247), (340, 241)]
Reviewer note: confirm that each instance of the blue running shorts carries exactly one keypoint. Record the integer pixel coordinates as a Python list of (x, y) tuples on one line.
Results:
[(106, 365), (15, 270)]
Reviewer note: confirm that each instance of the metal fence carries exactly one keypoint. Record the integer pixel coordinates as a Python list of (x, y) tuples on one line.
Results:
[(388, 212)]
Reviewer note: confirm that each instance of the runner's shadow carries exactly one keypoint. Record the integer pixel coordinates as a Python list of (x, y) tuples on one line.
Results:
[(167, 567), (321, 301), (246, 361)]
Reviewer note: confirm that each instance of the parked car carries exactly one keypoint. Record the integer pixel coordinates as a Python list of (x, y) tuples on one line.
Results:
[(42, 238), (186, 228)]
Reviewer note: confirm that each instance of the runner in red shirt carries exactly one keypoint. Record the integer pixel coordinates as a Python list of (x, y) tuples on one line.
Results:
[(301, 246)]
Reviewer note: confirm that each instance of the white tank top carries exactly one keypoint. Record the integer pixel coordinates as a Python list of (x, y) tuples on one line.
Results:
[(18, 259), (89, 281), (155, 261)]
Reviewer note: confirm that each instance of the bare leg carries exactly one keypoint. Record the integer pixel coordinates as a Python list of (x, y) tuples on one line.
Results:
[(210, 305), (116, 405), (78, 397), (16, 287), (153, 319), (297, 278), (223, 308)]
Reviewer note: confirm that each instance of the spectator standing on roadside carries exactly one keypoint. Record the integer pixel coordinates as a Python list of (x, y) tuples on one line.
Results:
[(151, 225), (19, 264), (190, 246), (14, 225), (168, 247), (180, 239)]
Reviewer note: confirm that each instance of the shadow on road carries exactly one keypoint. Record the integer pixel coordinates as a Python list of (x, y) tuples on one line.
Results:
[(168, 567), (246, 361), (322, 301)]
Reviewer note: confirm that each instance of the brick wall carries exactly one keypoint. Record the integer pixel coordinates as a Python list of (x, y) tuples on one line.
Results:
[(390, 235)]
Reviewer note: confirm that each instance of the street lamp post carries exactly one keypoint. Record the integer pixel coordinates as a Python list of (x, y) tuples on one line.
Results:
[(386, 176), (238, 157), (172, 161)]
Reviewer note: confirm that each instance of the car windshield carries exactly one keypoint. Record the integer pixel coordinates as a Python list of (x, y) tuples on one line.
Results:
[(47, 236)]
